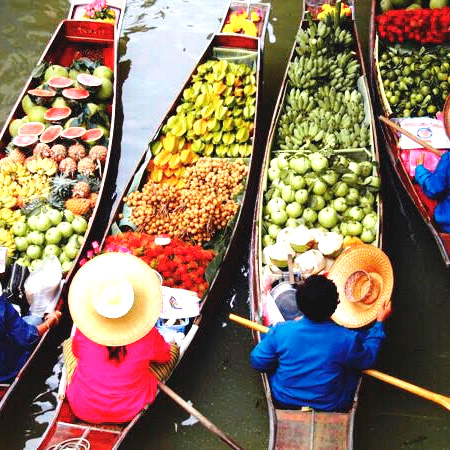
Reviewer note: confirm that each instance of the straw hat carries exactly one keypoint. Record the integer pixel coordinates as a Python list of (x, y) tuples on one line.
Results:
[(115, 299), (364, 279)]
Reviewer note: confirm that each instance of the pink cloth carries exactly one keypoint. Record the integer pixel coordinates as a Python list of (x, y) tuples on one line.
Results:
[(409, 157), (104, 390)]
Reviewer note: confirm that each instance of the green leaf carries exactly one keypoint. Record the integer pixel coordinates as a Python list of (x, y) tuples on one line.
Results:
[(39, 70)]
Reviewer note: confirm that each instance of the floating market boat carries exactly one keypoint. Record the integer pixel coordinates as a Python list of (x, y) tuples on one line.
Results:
[(319, 183), (201, 158), (59, 135), (406, 84)]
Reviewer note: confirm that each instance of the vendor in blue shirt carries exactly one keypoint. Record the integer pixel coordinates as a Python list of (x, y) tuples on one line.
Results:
[(18, 336), (436, 185), (313, 361)]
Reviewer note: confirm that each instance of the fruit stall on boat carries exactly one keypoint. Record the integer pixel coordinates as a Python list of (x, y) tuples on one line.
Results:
[(410, 68), (55, 150), (185, 200), (318, 193)]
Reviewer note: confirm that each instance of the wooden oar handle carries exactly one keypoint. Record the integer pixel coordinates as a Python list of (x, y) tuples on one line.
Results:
[(249, 323), (410, 135), (201, 418), (421, 392)]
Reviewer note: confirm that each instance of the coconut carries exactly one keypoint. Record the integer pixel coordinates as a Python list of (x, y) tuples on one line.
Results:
[(301, 239), (330, 244), (310, 262), (277, 254), (283, 236)]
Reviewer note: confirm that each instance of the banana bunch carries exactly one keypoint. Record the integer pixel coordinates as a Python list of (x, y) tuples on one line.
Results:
[(7, 240), (322, 38), (9, 217), (308, 72), (42, 166)]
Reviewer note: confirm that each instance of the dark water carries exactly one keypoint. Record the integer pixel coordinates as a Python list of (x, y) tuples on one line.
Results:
[(161, 41)]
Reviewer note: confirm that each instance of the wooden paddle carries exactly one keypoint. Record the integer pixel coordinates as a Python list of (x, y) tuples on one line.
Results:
[(410, 135), (421, 392), (202, 419)]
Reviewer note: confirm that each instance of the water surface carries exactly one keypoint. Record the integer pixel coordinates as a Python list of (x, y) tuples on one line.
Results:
[(161, 41)]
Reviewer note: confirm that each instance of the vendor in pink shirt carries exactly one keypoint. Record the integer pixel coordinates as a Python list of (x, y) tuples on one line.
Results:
[(115, 300)]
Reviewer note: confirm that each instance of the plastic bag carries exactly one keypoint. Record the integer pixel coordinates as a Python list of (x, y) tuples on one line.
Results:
[(42, 287)]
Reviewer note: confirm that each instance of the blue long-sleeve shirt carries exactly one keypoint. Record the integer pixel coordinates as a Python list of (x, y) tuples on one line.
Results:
[(17, 338), (437, 185), (316, 364)]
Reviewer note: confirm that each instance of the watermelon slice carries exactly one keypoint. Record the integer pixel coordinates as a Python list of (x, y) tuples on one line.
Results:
[(60, 82), (51, 134), (92, 135), (24, 141), (41, 95), (31, 129), (73, 132), (90, 82), (75, 94), (57, 114)]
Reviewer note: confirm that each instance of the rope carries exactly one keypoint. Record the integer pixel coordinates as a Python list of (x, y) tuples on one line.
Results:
[(72, 444)]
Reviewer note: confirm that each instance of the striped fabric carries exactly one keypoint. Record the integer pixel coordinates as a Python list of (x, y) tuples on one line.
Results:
[(162, 371)]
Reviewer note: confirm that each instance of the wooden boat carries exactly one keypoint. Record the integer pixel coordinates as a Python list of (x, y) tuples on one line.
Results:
[(306, 428), (72, 38), (424, 205), (106, 436)]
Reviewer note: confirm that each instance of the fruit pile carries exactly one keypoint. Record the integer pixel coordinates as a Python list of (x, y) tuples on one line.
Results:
[(388, 5), (415, 80), (196, 211), (241, 22), (214, 118), (182, 265), (332, 194), (310, 181), (425, 26), (54, 162), (99, 11)]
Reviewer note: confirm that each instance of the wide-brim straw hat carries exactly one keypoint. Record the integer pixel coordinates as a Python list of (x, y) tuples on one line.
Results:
[(115, 299), (364, 278)]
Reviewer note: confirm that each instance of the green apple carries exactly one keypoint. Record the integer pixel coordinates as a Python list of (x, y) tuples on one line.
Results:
[(36, 238), (34, 251), (21, 243), (68, 215), (53, 236), (43, 222), (19, 229), (66, 229), (52, 249), (55, 216), (71, 250)]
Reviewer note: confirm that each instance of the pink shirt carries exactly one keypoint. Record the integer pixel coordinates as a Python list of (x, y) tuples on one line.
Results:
[(104, 390)]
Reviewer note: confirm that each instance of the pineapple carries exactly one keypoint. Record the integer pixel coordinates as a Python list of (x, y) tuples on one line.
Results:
[(58, 153), (56, 201), (68, 167), (5, 161), (93, 199), (17, 156), (79, 206), (77, 152), (86, 166), (98, 153), (34, 206), (61, 187), (40, 149), (93, 181), (81, 189)]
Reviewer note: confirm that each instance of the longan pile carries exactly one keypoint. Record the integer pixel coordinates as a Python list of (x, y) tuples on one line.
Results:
[(195, 212)]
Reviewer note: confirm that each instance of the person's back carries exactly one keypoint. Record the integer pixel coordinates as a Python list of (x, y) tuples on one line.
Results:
[(316, 362), (313, 361), (114, 390)]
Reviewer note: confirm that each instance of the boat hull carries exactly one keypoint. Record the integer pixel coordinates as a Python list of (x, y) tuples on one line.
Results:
[(301, 429), (72, 38), (424, 206)]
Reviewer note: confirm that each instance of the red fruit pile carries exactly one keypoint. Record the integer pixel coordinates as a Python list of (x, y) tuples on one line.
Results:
[(425, 26), (182, 265)]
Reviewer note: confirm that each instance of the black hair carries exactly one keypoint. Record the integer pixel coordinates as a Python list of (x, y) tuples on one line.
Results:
[(117, 353), (317, 298)]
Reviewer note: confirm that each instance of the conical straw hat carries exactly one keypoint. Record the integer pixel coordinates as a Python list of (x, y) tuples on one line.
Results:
[(115, 299), (364, 279)]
